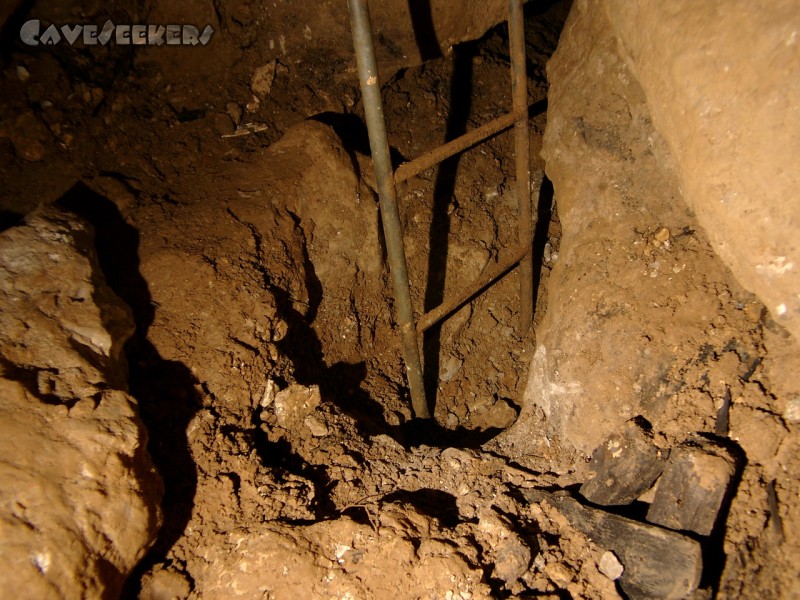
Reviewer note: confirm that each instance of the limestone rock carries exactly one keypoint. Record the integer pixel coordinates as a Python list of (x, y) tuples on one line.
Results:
[(78, 492), (633, 298), (511, 555), (62, 329), (165, 584), (78, 495), (295, 404), (727, 107), (610, 566)]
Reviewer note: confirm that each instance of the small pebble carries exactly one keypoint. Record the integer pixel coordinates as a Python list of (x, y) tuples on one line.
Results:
[(792, 412), (235, 112), (558, 574), (316, 426), (452, 421), (261, 82), (610, 566), (662, 235)]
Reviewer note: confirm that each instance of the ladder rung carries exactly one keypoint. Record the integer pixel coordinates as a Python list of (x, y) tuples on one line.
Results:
[(447, 308), (434, 157)]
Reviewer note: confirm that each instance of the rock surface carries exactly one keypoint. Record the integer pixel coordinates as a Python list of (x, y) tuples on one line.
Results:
[(644, 316), (728, 106), (62, 328), (638, 294), (78, 493)]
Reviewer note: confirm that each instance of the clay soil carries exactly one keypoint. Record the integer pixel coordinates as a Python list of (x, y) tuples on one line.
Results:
[(265, 361)]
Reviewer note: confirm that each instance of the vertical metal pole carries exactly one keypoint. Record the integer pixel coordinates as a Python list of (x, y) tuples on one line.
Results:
[(387, 192), (519, 89)]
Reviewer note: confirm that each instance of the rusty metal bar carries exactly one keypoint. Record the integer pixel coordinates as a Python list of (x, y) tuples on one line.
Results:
[(414, 167), (387, 192), (519, 90), (445, 309)]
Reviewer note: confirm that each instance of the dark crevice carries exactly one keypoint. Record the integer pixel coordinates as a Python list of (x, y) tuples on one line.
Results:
[(359, 514), (434, 503), (281, 459), (544, 215), (352, 132), (279, 456), (165, 390), (714, 556), (114, 378), (29, 378), (9, 33), (427, 432), (312, 282), (443, 197), (9, 219), (424, 30)]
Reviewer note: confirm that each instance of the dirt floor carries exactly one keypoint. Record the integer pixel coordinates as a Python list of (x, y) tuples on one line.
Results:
[(265, 363)]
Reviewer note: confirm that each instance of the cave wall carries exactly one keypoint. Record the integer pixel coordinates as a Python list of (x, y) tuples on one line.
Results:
[(79, 495), (721, 82), (319, 32), (267, 66), (670, 142), (651, 281)]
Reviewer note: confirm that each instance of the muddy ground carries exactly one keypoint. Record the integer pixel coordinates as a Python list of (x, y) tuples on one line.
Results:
[(245, 238)]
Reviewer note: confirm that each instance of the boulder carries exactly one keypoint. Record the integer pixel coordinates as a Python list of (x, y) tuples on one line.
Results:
[(641, 296), (726, 104), (78, 493)]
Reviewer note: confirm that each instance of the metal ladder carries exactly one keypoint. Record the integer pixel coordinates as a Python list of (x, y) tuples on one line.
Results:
[(387, 180)]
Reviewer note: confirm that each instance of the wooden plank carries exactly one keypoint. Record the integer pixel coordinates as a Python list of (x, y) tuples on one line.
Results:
[(693, 486), (623, 467), (658, 563)]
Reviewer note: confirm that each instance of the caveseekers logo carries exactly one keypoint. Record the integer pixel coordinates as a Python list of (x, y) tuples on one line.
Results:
[(123, 35)]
